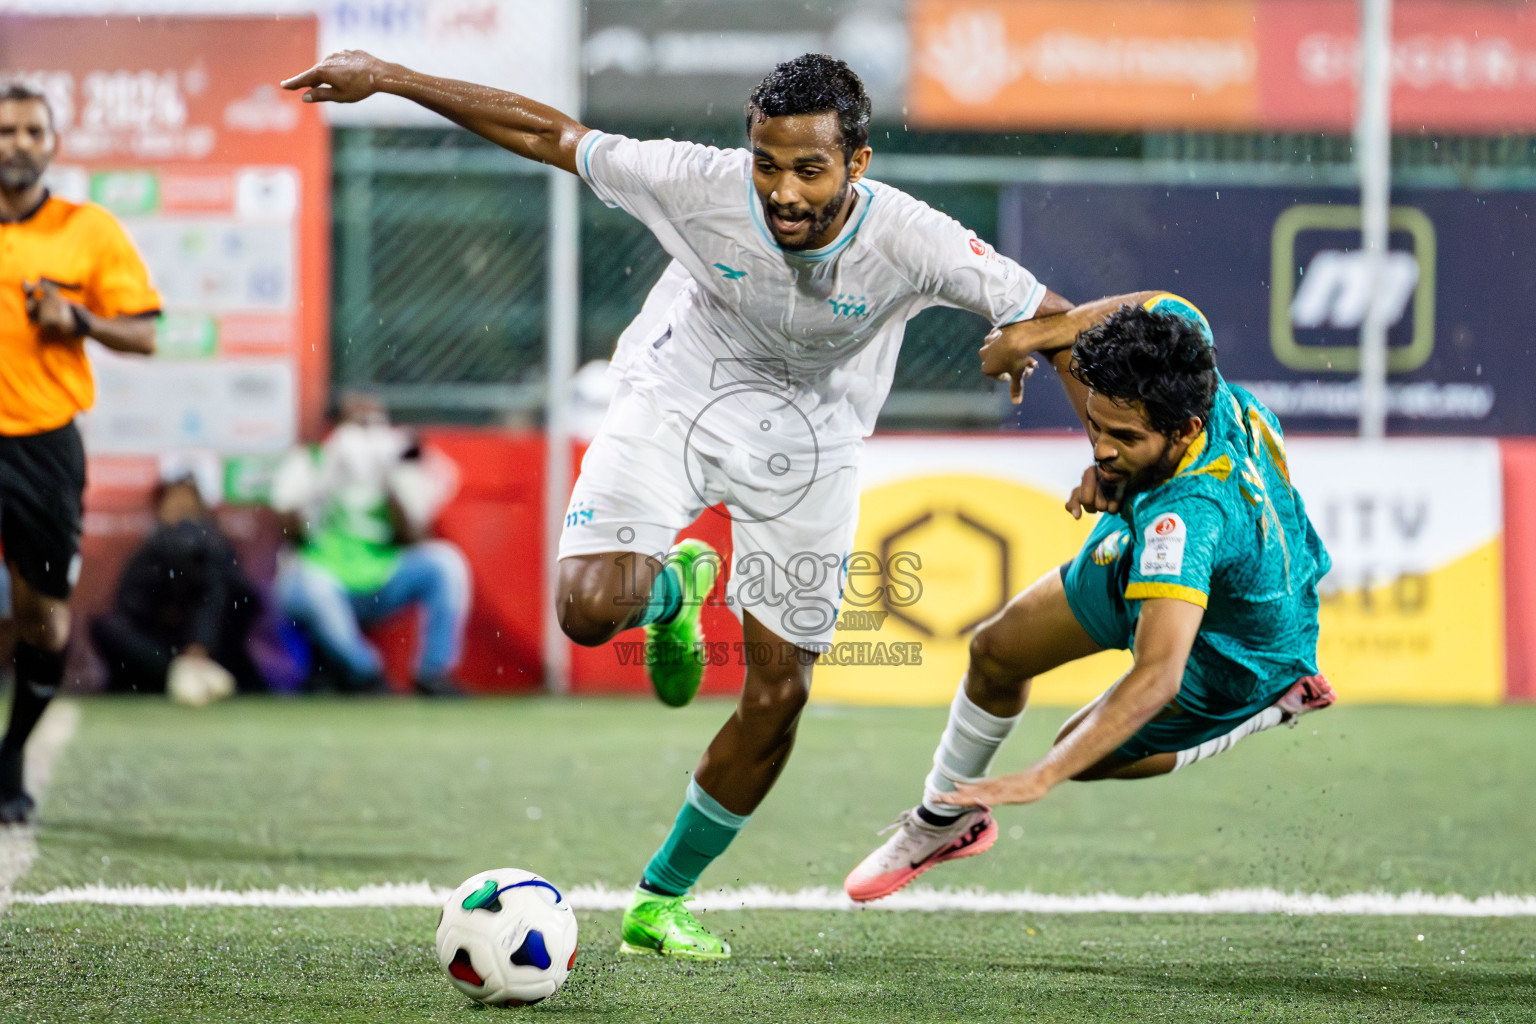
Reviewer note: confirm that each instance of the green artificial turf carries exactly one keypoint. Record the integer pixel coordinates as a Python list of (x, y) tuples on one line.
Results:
[(115, 964), (334, 793)]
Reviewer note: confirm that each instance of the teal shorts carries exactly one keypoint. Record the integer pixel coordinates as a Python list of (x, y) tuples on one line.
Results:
[(1095, 582), (1176, 728)]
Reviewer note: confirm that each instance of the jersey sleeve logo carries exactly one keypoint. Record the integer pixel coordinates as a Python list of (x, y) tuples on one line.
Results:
[(978, 247), (1163, 554), (1109, 548)]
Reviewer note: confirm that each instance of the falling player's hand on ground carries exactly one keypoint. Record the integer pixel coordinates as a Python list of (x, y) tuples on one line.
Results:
[(344, 77), (1023, 788)]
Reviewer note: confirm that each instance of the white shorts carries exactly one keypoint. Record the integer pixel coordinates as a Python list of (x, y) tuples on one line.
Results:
[(646, 476)]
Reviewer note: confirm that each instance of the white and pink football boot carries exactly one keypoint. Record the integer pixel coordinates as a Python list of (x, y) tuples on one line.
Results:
[(917, 846)]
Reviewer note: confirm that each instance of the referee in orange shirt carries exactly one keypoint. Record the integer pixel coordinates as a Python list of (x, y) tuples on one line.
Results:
[(67, 273)]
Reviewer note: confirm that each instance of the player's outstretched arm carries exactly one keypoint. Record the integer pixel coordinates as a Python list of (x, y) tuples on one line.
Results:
[(1051, 336), (1164, 636), (516, 123)]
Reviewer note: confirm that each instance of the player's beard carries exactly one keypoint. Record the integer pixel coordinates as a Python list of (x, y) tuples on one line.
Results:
[(20, 173), (820, 222), (1143, 479)]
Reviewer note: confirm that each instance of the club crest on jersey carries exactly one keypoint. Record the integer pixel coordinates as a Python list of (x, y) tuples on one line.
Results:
[(1109, 548), (851, 306), (1163, 553)]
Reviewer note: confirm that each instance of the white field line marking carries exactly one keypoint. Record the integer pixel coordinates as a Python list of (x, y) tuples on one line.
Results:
[(18, 846), (1227, 901)]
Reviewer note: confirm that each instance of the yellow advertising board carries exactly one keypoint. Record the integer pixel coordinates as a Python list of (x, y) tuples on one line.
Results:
[(950, 528), (974, 520)]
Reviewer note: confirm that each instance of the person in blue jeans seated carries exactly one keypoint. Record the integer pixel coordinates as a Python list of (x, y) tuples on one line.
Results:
[(358, 508)]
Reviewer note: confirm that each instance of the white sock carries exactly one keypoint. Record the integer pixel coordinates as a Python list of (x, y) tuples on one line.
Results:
[(1266, 719), (965, 752)]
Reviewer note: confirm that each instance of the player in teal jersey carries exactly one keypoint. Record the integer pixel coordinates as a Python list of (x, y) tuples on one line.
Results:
[(1205, 566)]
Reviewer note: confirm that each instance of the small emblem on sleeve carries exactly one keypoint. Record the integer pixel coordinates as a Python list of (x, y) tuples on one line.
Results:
[(1163, 553), (978, 247), (1109, 548)]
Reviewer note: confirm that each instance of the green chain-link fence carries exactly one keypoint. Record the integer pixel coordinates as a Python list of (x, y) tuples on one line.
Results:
[(440, 284), (440, 281)]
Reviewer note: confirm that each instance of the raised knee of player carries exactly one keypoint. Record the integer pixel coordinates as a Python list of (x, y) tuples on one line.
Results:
[(590, 607), (992, 677)]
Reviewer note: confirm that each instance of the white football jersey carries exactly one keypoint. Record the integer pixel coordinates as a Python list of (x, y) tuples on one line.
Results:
[(760, 348)]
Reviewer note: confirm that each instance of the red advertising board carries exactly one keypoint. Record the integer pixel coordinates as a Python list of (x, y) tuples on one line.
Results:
[(1289, 64), (1460, 67), (178, 127)]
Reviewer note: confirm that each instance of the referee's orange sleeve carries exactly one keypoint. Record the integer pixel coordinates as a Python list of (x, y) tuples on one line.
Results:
[(119, 283)]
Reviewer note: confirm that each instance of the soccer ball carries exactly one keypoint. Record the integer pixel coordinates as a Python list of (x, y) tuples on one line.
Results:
[(506, 938)]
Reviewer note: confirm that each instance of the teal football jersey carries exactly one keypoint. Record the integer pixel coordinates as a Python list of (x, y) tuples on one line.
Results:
[(1228, 532)]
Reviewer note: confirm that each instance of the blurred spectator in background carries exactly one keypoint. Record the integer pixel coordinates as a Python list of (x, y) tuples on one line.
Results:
[(358, 507), (184, 610)]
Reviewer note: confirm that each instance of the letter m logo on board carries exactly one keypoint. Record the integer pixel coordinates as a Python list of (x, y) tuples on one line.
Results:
[(1321, 289)]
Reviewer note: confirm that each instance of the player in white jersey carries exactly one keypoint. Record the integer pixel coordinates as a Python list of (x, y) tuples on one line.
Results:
[(750, 379)]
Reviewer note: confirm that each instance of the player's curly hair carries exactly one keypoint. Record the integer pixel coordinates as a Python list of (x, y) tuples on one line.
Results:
[(809, 84), (1162, 361)]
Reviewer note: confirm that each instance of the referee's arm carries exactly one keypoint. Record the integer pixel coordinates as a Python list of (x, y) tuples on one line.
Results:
[(62, 320)]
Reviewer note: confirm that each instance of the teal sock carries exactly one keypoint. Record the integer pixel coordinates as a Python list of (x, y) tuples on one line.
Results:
[(701, 833), (666, 596)]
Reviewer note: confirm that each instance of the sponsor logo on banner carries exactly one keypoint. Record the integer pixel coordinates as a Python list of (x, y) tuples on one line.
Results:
[(1277, 271), (1336, 289), (1467, 66), (1163, 553), (1315, 322), (1412, 611), (685, 58), (977, 519), (1108, 63), (518, 45), (176, 126)]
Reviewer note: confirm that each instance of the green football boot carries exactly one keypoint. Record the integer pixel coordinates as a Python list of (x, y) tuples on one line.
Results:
[(674, 651), (664, 926)]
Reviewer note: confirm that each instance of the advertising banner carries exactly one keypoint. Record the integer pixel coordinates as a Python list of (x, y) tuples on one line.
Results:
[(1278, 272), (1456, 66), (177, 126), (697, 60), (1277, 64), (525, 46), (993, 64), (954, 526)]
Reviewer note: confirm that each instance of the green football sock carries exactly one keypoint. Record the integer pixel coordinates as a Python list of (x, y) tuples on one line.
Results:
[(666, 597), (701, 833)]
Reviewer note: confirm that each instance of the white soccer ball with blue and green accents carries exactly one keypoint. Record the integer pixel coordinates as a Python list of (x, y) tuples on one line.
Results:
[(507, 938)]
